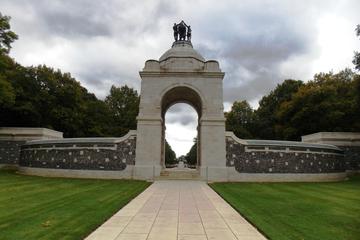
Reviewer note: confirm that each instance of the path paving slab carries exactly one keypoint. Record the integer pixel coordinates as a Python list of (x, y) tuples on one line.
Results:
[(177, 210)]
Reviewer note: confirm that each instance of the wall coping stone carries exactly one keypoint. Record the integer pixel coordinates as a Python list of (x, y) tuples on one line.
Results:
[(253, 142), (335, 138), (84, 140), (22, 133)]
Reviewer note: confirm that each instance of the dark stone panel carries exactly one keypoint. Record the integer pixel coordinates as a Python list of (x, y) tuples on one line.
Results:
[(80, 156), (281, 162), (10, 152), (352, 158)]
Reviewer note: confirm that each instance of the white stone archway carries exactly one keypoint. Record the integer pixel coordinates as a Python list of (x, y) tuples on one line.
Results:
[(181, 75), (181, 94)]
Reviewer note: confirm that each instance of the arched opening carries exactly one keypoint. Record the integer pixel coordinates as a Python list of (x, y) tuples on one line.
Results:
[(181, 105), (181, 122)]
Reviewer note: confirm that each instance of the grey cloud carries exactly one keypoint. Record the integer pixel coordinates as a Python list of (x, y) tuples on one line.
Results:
[(181, 113), (123, 20), (65, 23), (252, 45), (183, 120)]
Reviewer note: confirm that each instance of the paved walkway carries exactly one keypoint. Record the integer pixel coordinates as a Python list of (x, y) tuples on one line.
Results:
[(177, 210)]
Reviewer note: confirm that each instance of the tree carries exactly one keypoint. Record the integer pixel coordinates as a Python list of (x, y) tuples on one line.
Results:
[(191, 156), (327, 103), (6, 35), (356, 59), (45, 97), (123, 102), (267, 124), (240, 119), (170, 156)]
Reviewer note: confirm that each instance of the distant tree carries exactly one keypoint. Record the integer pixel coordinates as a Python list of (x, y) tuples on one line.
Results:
[(7, 93), (327, 103), (240, 119), (45, 97), (170, 156), (191, 156), (99, 118), (123, 102), (356, 59), (181, 158), (266, 126), (6, 35)]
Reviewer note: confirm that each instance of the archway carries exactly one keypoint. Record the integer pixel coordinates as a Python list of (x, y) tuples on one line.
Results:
[(181, 75), (181, 94)]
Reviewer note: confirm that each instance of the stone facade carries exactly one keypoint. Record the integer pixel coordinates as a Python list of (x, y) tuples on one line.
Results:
[(86, 154), (270, 158)]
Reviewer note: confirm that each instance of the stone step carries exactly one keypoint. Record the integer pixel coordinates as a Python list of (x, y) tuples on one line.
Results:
[(179, 174)]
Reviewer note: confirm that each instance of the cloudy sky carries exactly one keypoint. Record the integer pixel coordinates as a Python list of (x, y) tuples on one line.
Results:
[(258, 43)]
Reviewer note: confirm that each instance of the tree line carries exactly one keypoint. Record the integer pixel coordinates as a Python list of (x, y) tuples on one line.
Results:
[(329, 102)]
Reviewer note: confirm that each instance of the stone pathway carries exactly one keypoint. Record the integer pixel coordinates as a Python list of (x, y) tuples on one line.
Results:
[(177, 210)]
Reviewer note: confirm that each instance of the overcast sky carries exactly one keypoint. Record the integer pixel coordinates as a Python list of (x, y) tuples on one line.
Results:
[(258, 43)]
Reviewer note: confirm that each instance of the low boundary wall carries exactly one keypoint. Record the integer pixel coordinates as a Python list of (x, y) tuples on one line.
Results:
[(319, 157), (267, 160), (349, 142), (11, 140), (80, 157)]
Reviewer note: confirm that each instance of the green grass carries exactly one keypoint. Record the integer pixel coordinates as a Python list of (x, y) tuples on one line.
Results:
[(323, 211), (57, 208)]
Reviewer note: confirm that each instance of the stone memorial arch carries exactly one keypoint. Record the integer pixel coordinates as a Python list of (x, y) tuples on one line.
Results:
[(181, 75)]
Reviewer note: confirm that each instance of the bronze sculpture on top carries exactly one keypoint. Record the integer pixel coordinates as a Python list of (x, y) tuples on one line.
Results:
[(182, 32)]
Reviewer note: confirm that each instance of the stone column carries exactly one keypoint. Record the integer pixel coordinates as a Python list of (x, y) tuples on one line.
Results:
[(213, 151), (148, 148)]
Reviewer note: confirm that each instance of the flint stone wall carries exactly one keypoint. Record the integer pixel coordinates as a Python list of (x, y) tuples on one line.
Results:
[(81, 154), (349, 142), (11, 139), (10, 152), (352, 157), (251, 156)]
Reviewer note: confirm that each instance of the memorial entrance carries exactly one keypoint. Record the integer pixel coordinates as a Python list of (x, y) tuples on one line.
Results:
[(181, 75)]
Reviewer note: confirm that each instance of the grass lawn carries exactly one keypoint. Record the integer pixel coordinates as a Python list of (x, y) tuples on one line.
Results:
[(56, 208), (284, 211)]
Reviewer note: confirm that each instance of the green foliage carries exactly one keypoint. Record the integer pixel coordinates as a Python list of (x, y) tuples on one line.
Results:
[(330, 102), (7, 93), (170, 156), (267, 123), (43, 97), (6, 35), (191, 156), (48, 98), (293, 211), (123, 102), (241, 119), (356, 59), (59, 208)]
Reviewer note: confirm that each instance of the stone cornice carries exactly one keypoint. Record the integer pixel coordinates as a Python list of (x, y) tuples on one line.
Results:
[(182, 74)]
